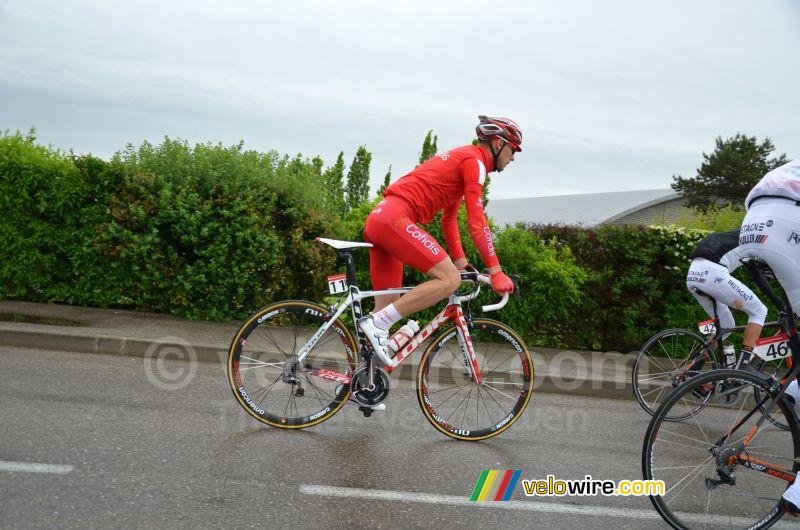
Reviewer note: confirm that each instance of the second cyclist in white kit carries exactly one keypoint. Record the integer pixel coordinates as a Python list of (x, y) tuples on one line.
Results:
[(713, 261)]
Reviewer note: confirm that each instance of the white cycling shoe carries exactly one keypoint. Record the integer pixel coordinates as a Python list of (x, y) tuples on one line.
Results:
[(379, 338)]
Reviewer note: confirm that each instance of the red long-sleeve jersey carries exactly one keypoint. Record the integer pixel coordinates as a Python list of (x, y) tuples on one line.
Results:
[(440, 184)]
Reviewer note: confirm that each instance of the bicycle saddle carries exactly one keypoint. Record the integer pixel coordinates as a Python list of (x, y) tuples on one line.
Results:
[(343, 245)]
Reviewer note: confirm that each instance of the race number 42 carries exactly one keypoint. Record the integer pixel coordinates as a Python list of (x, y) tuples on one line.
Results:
[(707, 327), (337, 283)]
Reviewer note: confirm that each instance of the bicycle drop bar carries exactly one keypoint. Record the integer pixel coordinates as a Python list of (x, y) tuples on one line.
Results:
[(492, 307)]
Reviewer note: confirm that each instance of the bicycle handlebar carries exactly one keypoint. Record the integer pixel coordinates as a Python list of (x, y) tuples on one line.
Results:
[(474, 276), (492, 307)]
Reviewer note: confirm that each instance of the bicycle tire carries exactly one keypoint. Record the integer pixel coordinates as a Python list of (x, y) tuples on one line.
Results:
[(693, 458), (262, 359), (504, 362), (682, 349)]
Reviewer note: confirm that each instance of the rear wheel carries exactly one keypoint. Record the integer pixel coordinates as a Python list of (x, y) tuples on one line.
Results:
[(462, 408), (665, 361), (268, 380)]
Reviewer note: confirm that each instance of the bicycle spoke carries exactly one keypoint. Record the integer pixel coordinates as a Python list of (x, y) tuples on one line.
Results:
[(656, 375), (267, 388), (316, 390), (459, 405), (693, 458), (660, 391), (499, 364), (693, 474), (459, 389), (667, 354), (452, 409), (502, 393), (262, 333), (466, 407), (264, 340)]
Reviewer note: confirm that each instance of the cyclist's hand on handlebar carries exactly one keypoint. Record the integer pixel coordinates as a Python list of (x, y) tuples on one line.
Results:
[(501, 283)]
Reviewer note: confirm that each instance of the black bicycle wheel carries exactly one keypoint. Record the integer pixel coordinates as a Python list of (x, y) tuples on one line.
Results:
[(270, 383), (705, 484), (465, 409), (665, 361)]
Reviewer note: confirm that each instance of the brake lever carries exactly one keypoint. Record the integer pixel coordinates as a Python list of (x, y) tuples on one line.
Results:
[(516, 280)]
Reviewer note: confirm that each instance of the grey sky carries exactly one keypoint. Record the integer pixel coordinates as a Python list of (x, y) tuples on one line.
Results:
[(612, 95)]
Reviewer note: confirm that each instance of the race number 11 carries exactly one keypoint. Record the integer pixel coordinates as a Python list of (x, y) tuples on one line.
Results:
[(337, 283)]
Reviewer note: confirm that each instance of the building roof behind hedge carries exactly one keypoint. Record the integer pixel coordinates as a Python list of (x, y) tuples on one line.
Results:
[(589, 209)]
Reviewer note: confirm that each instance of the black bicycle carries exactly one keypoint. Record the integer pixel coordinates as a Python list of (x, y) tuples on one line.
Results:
[(726, 466), (673, 356)]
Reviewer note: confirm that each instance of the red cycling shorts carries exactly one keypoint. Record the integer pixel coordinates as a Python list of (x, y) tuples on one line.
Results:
[(398, 239)]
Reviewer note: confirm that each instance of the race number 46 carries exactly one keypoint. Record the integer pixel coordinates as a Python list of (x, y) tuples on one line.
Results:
[(772, 348), (337, 283)]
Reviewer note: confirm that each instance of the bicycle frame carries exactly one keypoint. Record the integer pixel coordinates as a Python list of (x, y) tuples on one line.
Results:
[(768, 402), (452, 312), (758, 278), (766, 405), (719, 332)]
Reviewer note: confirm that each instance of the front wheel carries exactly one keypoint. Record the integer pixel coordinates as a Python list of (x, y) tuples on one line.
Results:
[(665, 361), (268, 379), (465, 409)]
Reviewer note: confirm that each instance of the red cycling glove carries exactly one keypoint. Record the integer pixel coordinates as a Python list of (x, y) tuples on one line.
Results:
[(502, 283)]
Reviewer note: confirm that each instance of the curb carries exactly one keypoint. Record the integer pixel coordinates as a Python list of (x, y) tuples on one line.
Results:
[(106, 344), (544, 380)]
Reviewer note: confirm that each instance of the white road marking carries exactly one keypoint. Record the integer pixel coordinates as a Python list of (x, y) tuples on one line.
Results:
[(28, 467), (531, 506)]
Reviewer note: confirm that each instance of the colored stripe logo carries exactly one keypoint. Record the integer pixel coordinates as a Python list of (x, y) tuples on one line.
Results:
[(494, 485)]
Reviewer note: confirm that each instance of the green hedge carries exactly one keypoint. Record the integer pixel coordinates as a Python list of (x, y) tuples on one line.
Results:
[(214, 232), (204, 232), (635, 286)]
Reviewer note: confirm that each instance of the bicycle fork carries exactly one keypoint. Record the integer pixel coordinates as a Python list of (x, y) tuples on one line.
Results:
[(465, 343)]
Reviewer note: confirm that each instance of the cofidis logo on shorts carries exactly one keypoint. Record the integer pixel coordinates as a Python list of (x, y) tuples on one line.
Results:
[(494, 485)]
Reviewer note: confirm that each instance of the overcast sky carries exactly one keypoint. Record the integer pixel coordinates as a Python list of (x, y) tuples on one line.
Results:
[(611, 95)]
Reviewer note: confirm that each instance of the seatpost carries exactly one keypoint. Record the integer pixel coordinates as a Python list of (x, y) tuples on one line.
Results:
[(718, 324), (350, 266)]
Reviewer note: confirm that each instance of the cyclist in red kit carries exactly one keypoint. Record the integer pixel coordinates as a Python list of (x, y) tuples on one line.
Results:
[(395, 227)]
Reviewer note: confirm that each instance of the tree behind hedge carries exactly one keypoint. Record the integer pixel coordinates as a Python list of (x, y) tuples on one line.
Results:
[(358, 178), (429, 147), (728, 173), (333, 187)]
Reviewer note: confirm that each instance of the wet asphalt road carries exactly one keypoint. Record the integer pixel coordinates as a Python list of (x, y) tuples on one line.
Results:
[(144, 455)]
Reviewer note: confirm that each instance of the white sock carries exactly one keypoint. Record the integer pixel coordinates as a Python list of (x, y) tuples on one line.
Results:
[(386, 317), (792, 493), (794, 391)]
